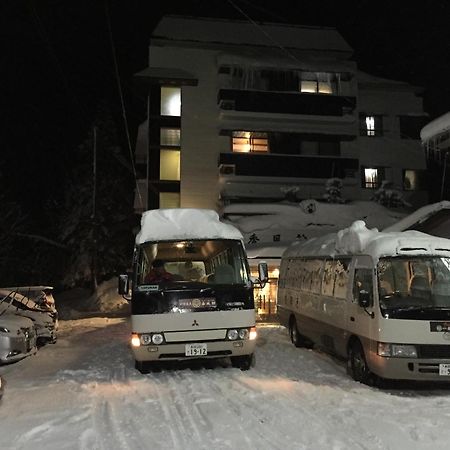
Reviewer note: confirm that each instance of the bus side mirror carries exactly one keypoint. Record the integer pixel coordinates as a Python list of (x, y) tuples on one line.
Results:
[(263, 273), (364, 299), (124, 286)]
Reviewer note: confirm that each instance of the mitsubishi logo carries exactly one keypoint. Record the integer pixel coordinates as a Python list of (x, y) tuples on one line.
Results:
[(195, 323)]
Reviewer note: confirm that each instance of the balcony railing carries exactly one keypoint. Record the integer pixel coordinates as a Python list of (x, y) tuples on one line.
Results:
[(298, 166), (285, 102)]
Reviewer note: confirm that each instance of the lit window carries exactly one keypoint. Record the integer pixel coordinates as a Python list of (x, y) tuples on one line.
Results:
[(371, 178), (247, 141), (171, 101), (318, 83), (412, 180), (371, 125), (308, 86), (169, 168), (170, 137), (169, 199)]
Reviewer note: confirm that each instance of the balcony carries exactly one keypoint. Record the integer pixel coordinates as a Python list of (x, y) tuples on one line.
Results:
[(287, 166), (285, 102)]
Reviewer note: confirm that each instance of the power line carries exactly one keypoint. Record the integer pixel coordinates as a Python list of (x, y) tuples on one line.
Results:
[(122, 103)]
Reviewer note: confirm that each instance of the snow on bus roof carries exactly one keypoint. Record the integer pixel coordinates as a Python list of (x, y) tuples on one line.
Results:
[(358, 239), (183, 224)]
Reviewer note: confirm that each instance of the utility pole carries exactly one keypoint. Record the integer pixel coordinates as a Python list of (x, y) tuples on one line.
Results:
[(94, 212)]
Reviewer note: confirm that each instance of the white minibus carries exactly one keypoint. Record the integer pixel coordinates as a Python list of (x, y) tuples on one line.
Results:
[(380, 300), (191, 293)]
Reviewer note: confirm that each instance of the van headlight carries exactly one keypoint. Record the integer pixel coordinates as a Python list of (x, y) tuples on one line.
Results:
[(397, 350)]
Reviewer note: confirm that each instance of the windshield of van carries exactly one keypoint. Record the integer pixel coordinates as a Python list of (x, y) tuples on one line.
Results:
[(202, 261), (415, 282)]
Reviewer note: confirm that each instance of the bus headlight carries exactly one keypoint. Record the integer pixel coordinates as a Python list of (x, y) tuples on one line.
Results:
[(157, 339), (232, 335), (146, 339), (243, 333), (397, 350)]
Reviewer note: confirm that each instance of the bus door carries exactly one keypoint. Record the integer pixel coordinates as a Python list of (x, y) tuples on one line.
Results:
[(362, 311)]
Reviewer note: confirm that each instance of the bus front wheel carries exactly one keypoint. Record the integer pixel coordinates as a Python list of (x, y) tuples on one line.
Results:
[(243, 362), (146, 366), (357, 366)]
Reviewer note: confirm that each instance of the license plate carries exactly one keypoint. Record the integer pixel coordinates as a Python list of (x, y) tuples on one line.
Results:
[(444, 369), (195, 350)]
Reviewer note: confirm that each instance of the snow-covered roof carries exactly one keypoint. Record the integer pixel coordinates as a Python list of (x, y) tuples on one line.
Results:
[(435, 127), (358, 239), (182, 224), (223, 31), (418, 216)]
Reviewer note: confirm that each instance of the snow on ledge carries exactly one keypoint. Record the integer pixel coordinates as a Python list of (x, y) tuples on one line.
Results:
[(358, 239), (182, 224)]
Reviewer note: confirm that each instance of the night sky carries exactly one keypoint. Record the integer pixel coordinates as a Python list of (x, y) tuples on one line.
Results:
[(57, 65)]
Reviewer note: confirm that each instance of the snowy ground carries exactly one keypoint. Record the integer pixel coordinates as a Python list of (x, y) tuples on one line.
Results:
[(84, 393)]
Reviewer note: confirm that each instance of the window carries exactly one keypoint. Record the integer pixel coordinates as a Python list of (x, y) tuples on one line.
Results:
[(410, 126), (170, 101), (169, 168), (169, 199), (248, 141), (323, 148), (372, 178), (370, 125), (318, 83), (170, 137), (413, 179)]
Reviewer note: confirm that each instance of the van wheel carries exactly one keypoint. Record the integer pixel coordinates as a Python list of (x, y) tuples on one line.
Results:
[(243, 362), (357, 366), (296, 337)]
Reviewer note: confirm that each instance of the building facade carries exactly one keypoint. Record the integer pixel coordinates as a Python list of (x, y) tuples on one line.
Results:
[(244, 112)]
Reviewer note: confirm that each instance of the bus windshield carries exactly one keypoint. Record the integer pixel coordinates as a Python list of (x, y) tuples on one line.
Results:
[(219, 261), (414, 282)]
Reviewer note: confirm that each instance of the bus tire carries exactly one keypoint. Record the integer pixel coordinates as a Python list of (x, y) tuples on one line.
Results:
[(294, 334), (357, 366), (147, 366), (243, 362)]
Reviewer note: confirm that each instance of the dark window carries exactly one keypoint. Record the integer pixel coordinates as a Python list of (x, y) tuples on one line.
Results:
[(410, 126)]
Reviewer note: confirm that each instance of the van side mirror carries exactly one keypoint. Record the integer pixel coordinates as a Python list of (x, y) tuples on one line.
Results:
[(263, 273), (364, 299), (124, 286)]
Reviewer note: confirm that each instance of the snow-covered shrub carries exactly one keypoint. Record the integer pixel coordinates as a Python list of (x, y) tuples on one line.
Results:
[(387, 195), (290, 193), (333, 188)]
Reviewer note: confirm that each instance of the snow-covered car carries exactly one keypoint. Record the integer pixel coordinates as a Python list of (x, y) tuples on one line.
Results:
[(42, 295), (12, 302), (17, 338)]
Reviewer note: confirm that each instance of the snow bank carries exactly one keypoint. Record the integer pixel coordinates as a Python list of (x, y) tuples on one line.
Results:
[(184, 223)]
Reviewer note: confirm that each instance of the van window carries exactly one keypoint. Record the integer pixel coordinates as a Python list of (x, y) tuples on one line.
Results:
[(342, 279), (362, 282)]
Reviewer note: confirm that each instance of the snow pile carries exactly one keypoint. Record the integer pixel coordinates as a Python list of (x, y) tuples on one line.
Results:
[(79, 303), (358, 239), (270, 228), (435, 127), (184, 223)]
